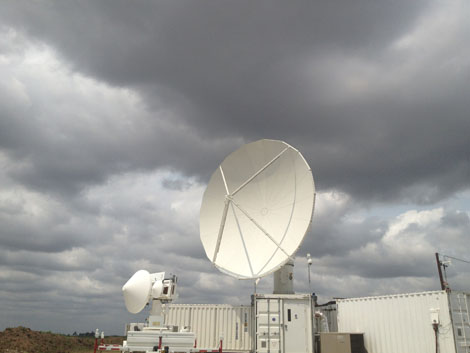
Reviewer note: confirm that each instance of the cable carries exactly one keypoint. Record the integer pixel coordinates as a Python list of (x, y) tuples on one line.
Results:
[(435, 326), (455, 258)]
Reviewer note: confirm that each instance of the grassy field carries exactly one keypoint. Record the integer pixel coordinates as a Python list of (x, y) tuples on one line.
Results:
[(24, 340)]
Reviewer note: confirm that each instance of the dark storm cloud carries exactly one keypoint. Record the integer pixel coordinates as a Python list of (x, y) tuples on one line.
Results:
[(194, 43), (100, 131), (264, 69), (50, 236), (329, 238)]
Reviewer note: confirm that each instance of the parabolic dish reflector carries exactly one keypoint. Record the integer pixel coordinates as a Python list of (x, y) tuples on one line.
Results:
[(257, 208)]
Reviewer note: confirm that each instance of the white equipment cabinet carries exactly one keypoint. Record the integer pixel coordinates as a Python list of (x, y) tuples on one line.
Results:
[(210, 322), (403, 323), (146, 340), (283, 323)]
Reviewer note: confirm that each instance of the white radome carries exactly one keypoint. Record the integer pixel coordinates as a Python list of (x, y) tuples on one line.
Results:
[(257, 208), (136, 291), (157, 289)]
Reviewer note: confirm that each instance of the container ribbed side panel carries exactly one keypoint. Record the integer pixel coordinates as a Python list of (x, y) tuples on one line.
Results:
[(211, 321), (399, 323), (330, 312)]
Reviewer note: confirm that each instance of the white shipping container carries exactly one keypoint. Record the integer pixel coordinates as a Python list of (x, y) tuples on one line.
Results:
[(402, 323), (211, 321)]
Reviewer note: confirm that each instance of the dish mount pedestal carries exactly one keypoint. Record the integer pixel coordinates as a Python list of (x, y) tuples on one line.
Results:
[(284, 279)]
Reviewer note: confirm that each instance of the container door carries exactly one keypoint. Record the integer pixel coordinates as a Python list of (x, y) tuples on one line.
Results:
[(268, 325), (297, 327)]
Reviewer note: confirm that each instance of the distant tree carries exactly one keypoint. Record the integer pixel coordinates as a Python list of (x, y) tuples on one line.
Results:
[(87, 334), (74, 333)]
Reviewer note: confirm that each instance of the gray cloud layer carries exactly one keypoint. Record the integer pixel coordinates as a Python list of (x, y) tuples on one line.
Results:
[(363, 89)]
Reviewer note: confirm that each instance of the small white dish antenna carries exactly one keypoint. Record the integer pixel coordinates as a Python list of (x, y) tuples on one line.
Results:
[(136, 291), (143, 286), (257, 208)]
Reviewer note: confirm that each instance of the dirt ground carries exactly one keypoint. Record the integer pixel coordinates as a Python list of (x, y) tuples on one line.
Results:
[(24, 340)]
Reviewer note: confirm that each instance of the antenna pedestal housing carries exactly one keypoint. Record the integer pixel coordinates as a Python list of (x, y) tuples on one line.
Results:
[(284, 279), (156, 317)]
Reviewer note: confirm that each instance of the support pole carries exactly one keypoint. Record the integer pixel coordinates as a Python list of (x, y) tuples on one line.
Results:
[(439, 269), (97, 335)]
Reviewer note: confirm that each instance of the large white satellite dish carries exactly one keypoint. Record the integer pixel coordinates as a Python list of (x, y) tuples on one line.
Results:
[(257, 208)]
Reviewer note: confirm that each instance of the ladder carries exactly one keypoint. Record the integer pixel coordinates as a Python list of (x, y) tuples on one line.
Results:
[(270, 327), (462, 299)]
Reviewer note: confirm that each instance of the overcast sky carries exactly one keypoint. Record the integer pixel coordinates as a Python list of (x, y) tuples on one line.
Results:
[(114, 114)]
